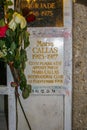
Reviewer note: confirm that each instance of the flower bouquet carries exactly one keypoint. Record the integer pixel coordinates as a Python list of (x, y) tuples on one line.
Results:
[(14, 39)]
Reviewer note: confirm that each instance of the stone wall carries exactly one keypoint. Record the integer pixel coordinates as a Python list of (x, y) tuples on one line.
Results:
[(79, 66)]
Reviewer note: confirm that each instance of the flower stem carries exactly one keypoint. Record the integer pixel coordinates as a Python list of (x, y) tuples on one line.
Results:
[(24, 113), (16, 113)]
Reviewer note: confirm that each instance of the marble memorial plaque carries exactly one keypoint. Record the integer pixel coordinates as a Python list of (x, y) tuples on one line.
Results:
[(45, 62)]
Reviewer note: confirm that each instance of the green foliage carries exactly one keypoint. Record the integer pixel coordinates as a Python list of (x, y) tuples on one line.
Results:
[(13, 45), (10, 12), (2, 23), (8, 3), (26, 91), (26, 40), (23, 81)]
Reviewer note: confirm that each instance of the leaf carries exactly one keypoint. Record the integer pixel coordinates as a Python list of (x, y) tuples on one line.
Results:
[(23, 58), (23, 81), (8, 3), (9, 57), (10, 13), (23, 55), (10, 10), (13, 46), (8, 32), (2, 22), (26, 40), (2, 43), (17, 64), (26, 91), (17, 55), (17, 61)]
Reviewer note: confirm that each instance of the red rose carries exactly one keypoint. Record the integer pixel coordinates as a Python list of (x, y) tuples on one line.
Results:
[(30, 18), (3, 31)]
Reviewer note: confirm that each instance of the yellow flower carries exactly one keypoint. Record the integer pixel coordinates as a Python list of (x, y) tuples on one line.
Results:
[(23, 23), (19, 19), (12, 25)]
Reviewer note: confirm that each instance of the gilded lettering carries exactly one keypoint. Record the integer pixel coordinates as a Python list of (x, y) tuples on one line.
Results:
[(47, 13), (38, 56), (40, 43), (45, 50)]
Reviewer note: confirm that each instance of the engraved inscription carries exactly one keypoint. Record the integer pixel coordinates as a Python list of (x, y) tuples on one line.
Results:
[(48, 12), (45, 62)]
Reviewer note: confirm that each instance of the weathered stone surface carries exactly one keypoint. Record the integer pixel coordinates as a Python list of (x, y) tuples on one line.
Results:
[(80, 67)]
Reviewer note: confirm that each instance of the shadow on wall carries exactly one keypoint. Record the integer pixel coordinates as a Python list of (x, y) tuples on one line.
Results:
[(84, 2)]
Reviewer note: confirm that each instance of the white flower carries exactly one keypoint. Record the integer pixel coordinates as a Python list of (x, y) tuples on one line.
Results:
[(12, 25), (23, 23), (19, 19)]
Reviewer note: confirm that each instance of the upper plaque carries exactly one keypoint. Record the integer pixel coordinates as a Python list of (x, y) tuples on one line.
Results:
[(48, 13)]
